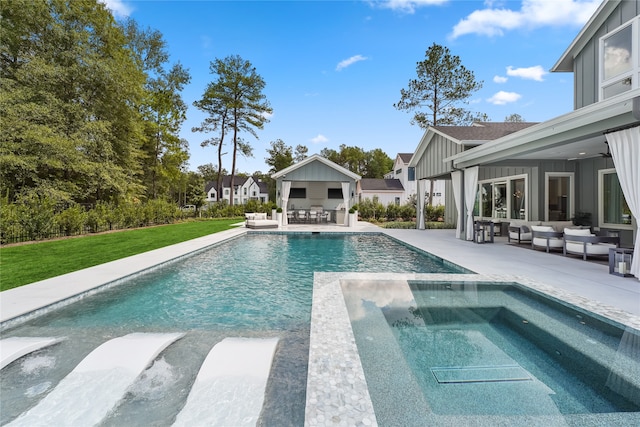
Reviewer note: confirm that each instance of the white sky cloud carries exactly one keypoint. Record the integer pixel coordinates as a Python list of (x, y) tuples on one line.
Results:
[(350, 61), (500, 79), (118, 8), (531, 73), (407, 6), (532, 14), (503, 98), (320, 139)]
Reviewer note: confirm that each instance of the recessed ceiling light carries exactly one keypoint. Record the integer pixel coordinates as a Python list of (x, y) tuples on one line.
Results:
[(582, 153)]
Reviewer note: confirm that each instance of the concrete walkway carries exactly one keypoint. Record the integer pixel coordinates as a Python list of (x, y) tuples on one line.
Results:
[(587, 279)]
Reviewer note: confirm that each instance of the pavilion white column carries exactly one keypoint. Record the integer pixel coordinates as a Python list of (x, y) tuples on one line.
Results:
[(420, 205), (456, 182), (345, 198), (286, 188), (470, 189), (625, 152)]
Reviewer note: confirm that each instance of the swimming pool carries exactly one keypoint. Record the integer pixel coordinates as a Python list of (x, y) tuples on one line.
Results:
[(452, 352), (253, 286)]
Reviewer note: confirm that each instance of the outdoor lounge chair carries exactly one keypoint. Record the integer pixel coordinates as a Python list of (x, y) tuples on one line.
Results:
[(520, 231), (583, 242), (313, 216), (545, 236)]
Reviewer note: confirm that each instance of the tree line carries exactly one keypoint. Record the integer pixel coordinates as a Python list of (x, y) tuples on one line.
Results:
[(91, 109)]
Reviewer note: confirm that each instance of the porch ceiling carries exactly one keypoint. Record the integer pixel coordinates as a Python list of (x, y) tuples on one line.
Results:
[(565, 137)]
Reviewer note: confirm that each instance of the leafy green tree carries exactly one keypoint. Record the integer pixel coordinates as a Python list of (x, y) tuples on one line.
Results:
[(209, 172), (442, 84), (69, 105), (377, 164), (300, 153), (368, 164), (280, 156), (163, 108), (514, 118), (235, 102)]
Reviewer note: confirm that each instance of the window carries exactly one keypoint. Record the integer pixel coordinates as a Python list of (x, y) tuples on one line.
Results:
[(503, 198), (226, 191), (245, 191), (412, 174), (298, 193), (398, 172), (254, 193), (559, 199), (613, 210), (397, 201), (334, 193), (620, 63)]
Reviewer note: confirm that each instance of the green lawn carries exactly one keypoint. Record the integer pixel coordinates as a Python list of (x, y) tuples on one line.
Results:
[(20, 265)]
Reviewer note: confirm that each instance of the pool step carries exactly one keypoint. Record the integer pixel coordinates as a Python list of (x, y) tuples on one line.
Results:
[(98, 383), (230, 386), (15, 347), (480, 374)]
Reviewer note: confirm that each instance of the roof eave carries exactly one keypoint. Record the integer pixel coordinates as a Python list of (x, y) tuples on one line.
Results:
[(561, 125), (565, 63)]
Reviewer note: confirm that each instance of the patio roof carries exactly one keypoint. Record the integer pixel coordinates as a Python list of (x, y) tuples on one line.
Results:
[(316, 158), (572, 136)]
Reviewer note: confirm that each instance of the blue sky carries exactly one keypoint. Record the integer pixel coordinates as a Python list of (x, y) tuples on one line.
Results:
[(334, 69)]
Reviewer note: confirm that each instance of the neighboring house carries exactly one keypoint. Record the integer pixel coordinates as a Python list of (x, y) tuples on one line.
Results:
[(439, 142), (407, 176), (316, 182), (585, 161), (245, 189), (386, 190)]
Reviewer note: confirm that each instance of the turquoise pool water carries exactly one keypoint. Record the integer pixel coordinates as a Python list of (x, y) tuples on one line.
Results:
[(254, 286), (490, 354)]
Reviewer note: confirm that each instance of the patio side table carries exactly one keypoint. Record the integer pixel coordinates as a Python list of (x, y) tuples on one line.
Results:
[(620, 261), (483, 231)]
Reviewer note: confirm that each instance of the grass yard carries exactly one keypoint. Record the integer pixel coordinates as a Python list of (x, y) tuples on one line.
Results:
[(23, 264)]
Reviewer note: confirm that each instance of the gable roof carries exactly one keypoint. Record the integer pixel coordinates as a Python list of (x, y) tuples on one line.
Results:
[(405, 157), (377, 184), (316, 158), (476, 134), (226, 182)]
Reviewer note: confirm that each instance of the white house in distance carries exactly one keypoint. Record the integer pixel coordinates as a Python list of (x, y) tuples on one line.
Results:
[(406, 174), (387, 191), (245, 189)]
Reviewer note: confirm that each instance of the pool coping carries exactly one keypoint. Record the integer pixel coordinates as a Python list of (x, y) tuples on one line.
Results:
[(337, 392)]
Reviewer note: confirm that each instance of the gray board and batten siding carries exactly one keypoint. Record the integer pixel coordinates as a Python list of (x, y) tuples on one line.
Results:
[(586, 64)]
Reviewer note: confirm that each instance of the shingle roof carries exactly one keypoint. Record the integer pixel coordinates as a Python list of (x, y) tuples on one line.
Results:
[(485, 131), (226, 182), (405, 157), (377, 184)]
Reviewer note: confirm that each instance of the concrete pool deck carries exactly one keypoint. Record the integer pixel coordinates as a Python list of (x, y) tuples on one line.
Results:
[(336, 390)]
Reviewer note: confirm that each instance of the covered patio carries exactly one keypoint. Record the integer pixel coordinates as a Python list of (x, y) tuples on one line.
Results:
[(315, 191)]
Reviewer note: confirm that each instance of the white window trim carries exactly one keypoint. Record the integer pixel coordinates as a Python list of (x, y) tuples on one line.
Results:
[(508, 180), (601, 223), (572, 192), (634, 73)]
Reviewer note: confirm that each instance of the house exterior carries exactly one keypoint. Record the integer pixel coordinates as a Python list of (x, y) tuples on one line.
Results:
[(583, 163), (406, 173), (245, 189), (316, 182), (387, 191), (439, 142)]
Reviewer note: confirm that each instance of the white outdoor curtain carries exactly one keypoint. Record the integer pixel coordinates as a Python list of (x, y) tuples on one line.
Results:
[(625, 152), (470, 188), (286, 188), (456, 182), (345, 198), (420, 212)]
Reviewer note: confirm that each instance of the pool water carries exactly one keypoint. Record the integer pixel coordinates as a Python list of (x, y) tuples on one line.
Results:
[(491, 353), (258, 285)]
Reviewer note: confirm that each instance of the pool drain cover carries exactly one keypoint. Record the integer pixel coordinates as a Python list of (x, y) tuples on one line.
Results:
[(480, 374)]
